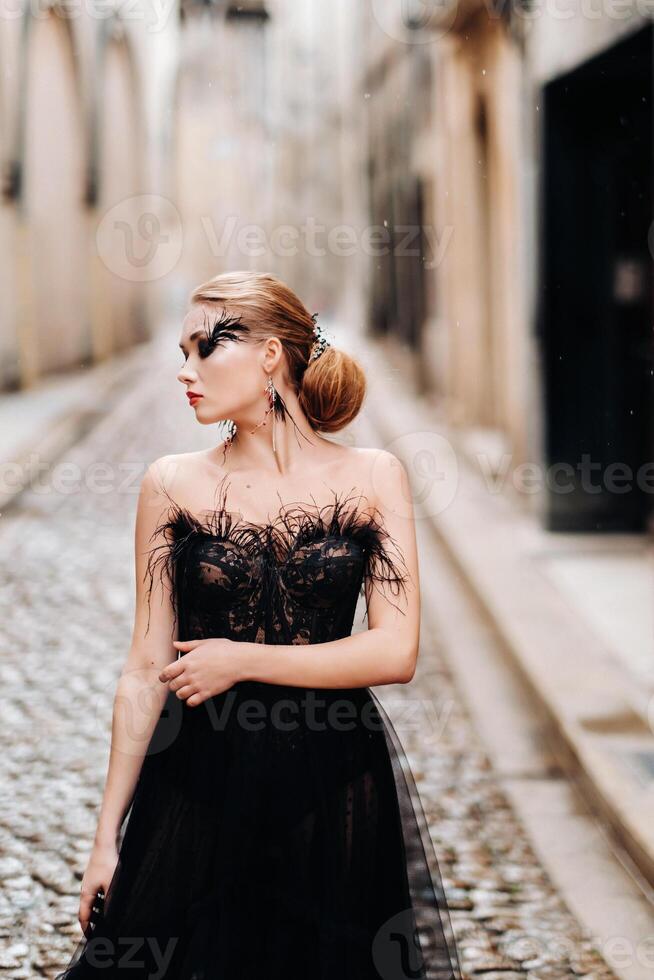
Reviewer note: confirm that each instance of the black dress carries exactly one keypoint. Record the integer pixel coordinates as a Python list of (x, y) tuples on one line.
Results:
[(275, 832)]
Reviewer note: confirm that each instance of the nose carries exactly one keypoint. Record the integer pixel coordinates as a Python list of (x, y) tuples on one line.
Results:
[(186, 375)]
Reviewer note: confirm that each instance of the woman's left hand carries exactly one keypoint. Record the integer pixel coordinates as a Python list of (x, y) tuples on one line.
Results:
[(208, 667)]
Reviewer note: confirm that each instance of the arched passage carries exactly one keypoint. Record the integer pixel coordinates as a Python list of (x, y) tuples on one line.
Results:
[(53, 168), (118, 316)]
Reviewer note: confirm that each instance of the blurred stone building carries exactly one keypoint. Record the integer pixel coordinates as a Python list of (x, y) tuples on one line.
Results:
[(509, 156), (258, 141), (222, 137), (444, 166), (144, 153), (83, 128)]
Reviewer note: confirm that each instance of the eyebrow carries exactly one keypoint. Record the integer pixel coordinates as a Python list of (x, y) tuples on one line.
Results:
[(194, 336)]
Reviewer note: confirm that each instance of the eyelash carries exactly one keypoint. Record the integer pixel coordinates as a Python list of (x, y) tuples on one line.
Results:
[(207, 345), (219, 332)]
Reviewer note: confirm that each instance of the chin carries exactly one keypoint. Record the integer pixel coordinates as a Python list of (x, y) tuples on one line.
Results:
[(206, 417)]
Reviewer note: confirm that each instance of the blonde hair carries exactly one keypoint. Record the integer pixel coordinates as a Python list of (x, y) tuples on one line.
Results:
[(330, 388)]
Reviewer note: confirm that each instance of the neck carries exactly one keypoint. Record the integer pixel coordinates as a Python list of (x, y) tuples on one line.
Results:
[(252, 444)]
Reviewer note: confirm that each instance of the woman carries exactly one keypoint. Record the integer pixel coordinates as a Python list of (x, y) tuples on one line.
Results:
[(274, 828)]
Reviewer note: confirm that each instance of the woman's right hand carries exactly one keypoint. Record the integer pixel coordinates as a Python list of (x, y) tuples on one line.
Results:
[(98, 875)]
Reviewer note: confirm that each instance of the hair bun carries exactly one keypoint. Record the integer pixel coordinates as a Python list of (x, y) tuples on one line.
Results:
[(332, 390)]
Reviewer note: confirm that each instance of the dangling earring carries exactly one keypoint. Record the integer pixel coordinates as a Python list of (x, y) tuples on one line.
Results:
[(229, 439), (271, 392)]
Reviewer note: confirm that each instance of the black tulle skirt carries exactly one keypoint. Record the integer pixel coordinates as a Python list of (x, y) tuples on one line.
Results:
[(281, 839)]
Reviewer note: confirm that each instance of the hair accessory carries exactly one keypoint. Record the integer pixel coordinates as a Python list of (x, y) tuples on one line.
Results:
[(321, 341)]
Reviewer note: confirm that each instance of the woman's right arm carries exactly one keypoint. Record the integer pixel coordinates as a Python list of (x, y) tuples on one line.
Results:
[(139, 697)]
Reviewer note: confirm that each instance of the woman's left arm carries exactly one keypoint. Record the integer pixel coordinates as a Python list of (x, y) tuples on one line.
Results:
[(385, 653)]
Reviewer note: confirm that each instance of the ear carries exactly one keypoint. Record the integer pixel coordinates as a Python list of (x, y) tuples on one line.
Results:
[(272, 353)]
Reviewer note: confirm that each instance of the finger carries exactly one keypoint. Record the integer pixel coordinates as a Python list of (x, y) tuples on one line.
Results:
[(172, 670), (187, 644), (185, 692), (85, 906), (196, 698), (178, 682)]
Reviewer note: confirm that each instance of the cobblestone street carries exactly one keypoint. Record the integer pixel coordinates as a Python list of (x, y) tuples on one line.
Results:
[(67, 596)]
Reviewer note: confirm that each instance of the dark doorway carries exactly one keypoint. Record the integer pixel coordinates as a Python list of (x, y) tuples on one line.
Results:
[(596, 312)]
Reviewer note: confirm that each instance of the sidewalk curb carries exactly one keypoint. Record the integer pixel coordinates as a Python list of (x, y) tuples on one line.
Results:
[(63, 409), (596, 733)]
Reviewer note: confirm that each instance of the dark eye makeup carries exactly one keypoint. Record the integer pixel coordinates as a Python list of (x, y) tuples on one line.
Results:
[(228, 326)]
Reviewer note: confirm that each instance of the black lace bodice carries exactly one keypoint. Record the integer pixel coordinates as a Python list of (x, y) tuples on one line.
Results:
[(296, 579)]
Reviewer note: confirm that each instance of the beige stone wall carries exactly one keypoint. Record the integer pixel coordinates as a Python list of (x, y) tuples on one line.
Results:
[(81, 125), (118, 313), (482, 275), (222, 148), (444, 108), (56, 301), (259, 147)]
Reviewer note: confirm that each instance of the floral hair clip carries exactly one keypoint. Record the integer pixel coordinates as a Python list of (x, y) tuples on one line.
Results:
[(321, 341)]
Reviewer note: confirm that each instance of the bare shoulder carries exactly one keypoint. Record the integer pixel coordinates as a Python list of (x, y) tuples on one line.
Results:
[(381, 475), (173, 472)]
